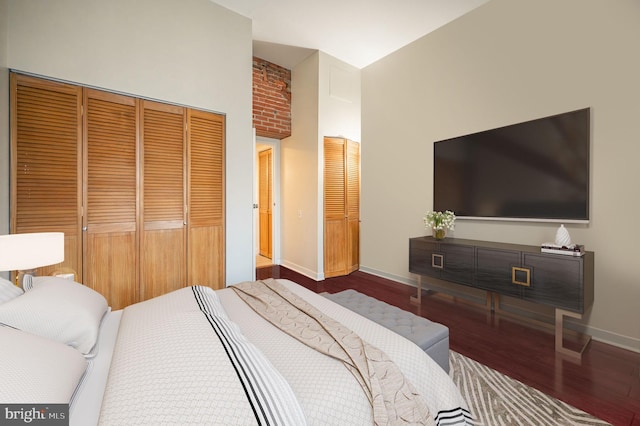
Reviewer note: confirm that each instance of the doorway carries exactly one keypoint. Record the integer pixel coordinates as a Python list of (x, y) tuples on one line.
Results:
[(267, 244)]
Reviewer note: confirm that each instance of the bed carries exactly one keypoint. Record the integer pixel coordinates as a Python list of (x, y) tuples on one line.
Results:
[(196, 356)]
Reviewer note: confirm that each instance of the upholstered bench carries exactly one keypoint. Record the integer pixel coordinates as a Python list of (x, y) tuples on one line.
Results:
[(432, 337)]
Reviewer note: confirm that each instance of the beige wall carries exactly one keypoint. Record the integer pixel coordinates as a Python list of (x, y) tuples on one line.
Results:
[(4, 124), (325, 102), (506, 62), (190, 52), (299, 177), (339, 106)]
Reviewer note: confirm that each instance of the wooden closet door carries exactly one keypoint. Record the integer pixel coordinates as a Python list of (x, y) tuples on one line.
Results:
[(46, 155), (163, 239), (206, 133), (265, 201), (341, 206), (353, 205), (335, 224), (110, 220)]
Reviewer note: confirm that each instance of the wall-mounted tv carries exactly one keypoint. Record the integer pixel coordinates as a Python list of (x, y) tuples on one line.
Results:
[(537, 171)]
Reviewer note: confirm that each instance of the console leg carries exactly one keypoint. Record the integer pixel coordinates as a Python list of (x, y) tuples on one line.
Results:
[(560, 314), (418, 298)]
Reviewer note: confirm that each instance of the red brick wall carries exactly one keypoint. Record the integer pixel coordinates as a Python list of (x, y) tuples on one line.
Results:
[(271, 99)]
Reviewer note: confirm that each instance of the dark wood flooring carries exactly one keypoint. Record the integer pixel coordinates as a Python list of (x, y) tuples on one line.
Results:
[(605, 383)]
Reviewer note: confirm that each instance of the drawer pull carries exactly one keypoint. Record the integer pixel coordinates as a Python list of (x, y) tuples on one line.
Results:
[(437, 261), (521, 276)]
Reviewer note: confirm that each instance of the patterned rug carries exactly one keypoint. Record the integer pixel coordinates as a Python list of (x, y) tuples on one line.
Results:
[(496, 400)]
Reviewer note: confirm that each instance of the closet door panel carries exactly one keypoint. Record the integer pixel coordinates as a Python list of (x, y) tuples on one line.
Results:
[(353, 205), (46, 156), (108, 260), (206, 133), (335, 216), (110, 221), (163, 239)]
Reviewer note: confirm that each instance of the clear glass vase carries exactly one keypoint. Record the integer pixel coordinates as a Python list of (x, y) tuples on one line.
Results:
[(438, 234)]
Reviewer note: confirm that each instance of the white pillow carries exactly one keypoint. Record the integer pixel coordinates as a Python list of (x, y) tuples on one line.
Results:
[(35, 370), (8, 290), (58, 309)]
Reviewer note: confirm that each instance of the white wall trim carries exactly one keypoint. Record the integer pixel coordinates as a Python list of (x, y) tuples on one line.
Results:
[(304, 271)]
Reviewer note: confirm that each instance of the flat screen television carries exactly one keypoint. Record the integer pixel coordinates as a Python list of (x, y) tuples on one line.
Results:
[(537, 171)]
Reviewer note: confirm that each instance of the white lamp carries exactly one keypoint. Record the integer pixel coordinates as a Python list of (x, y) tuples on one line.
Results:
[(26, 252)]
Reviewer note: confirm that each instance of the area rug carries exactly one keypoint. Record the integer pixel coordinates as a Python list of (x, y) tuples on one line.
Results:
[(496, 400)]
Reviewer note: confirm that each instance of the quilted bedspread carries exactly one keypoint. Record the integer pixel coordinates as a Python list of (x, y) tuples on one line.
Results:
[(195, 356), (179, 360), (393, 398)]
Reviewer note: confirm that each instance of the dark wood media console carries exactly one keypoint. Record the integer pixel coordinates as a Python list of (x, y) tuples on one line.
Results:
[(565, 283)]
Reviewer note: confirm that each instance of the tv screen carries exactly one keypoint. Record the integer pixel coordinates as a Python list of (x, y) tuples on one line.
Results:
[(536, 170)]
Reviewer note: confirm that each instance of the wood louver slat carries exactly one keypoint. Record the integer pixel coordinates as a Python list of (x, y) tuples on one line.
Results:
[(163, 152), (111, 161), (206, 136), (334, 175), (353, 179), (46, 133)]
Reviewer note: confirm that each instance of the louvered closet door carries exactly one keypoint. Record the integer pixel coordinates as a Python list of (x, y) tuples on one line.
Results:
[(206, 199), (353, 205), (265, 200), (45, 162), (335, 223), (341, 206), (163, 242), (110, 222)]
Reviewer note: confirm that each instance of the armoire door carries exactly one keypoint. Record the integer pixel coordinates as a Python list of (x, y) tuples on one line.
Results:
[(341, 206), (163, 239), (46, 158), (205, 224), (265, 201), (110, 222)]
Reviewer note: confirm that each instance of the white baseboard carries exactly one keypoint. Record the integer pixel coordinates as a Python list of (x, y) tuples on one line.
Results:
[(614, 339), (597, 334), (304, 271)]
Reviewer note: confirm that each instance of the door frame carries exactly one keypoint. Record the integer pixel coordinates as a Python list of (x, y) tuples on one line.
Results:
[(274, 144)]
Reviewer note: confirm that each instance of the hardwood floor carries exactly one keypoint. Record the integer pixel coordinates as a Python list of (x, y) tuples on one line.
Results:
[(605, 383)]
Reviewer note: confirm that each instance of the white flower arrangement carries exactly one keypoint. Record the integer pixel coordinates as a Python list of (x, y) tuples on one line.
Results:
[(439, 220)]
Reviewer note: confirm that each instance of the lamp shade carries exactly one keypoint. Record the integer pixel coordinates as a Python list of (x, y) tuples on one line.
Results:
[(30, 251)]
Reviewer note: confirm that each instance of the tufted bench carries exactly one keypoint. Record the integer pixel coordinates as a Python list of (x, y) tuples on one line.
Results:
[(432, 337)]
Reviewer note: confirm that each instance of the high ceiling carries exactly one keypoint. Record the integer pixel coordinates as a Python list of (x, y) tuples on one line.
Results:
[(358, 32)]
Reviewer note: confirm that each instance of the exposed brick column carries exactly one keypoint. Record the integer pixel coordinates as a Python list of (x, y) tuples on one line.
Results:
[(271, 99)]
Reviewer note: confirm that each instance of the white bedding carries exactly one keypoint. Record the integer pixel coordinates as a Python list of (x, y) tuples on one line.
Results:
[(178, 360), (85, 406), (327, 392), (164, 371)]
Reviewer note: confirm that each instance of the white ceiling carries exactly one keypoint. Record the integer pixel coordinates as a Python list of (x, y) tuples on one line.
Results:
[(358, 32)]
